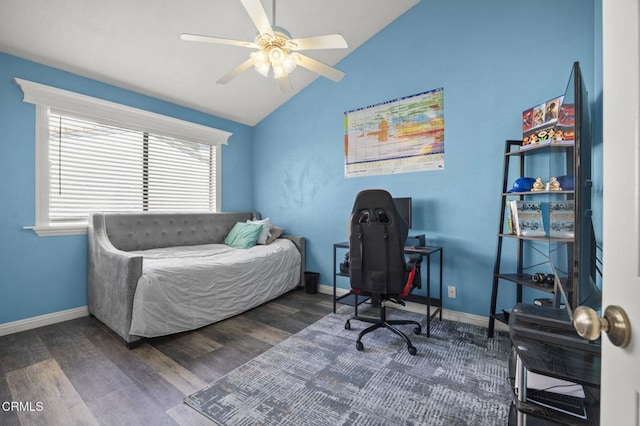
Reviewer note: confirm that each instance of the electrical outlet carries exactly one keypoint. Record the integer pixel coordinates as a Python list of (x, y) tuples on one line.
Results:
[(451, 290)]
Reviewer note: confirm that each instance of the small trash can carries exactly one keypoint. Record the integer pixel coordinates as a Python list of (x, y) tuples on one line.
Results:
[(311, 282)]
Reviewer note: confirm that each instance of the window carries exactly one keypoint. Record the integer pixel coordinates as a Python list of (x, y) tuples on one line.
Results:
[(93, 155)]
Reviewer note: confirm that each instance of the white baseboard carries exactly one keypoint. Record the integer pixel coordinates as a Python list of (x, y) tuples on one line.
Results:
[(42, 320), (83, 311), (419, 308)]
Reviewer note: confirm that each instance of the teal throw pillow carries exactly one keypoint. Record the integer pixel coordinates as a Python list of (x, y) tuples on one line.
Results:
[(243, 235)]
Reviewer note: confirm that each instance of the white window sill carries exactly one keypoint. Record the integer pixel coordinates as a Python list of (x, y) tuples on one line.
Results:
[(59, 230)]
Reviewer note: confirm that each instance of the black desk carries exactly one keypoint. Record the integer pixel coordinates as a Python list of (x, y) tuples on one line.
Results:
[(424, 251), (546, 343)]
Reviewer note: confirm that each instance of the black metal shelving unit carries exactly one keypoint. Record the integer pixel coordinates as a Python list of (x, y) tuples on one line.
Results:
[(543, 338), (519, 274)]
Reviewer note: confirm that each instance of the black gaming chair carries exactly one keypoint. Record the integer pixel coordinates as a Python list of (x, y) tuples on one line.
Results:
[(377, 265)]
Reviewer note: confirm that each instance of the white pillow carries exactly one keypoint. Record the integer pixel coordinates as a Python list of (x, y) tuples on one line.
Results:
[(266, 229)]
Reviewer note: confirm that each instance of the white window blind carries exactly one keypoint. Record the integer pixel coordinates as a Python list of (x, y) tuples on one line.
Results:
[(96, 155), (97, 167)]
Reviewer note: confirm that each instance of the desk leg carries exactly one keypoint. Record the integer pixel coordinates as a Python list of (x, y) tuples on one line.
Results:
[(334, 279), (428, 295), (356, 302), (441, 297)]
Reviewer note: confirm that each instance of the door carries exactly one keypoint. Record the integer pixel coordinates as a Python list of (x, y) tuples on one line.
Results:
[(621, 236)]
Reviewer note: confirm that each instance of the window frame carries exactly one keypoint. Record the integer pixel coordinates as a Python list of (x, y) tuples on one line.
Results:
[(45, 98)]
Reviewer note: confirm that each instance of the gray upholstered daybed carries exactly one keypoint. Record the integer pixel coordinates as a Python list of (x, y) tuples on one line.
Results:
[(153, 274)]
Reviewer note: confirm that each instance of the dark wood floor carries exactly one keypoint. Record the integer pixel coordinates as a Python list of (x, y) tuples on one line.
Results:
[(79, 372)]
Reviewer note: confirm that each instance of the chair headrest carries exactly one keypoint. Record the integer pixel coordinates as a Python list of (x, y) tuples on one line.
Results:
[(374, 205), (377, 205)]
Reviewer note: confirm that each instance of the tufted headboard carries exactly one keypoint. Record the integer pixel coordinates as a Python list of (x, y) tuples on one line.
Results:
[(141, 231)]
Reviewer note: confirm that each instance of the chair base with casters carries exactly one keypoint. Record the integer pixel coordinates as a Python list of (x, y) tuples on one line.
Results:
[(383, 322)]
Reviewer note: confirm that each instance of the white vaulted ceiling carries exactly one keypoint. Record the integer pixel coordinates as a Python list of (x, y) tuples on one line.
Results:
[(135, 44)]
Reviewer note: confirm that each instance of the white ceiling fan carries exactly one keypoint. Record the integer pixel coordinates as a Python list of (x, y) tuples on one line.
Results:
[(277, 51)]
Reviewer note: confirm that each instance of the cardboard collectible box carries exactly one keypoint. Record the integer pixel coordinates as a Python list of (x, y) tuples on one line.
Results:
[(549, 121)]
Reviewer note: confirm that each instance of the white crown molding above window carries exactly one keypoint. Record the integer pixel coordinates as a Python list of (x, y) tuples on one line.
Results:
[(113, 113)]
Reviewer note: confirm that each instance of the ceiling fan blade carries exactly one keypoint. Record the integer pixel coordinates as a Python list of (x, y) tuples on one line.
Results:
[(217, 40), (329, 41), (235, 72), (285, 84), (258, 16), (319, 67)]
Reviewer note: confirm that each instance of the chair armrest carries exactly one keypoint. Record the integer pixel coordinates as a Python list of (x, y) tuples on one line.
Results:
[(112, 280), (414, 261), (413, 275)]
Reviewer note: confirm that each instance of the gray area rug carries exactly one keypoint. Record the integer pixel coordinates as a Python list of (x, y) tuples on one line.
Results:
[(317, 377)]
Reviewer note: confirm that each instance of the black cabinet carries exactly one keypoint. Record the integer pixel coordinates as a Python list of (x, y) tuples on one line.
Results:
[(545, 343)]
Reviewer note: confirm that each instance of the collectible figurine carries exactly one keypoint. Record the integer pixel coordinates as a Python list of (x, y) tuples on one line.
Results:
[(554, 185), (538, 185)]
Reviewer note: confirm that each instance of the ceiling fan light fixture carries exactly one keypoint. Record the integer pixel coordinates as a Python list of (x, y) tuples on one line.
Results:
[(276, 55), (279, 71), (261, 62), (282, 62), (274, 51), (289, 63)]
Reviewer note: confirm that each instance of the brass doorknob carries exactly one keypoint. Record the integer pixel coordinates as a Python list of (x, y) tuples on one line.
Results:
[(615, 323)]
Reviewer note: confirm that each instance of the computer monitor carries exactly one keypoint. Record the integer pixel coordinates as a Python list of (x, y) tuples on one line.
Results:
[(404, 206)]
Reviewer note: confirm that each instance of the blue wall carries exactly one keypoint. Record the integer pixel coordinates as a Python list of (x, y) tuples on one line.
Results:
[(494, 58), (40, 275)]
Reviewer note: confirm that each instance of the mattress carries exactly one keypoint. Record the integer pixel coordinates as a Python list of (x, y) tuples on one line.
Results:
[(187, 287)]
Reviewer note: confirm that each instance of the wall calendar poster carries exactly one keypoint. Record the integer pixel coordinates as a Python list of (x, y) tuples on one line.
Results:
[(398, 136)]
